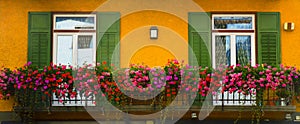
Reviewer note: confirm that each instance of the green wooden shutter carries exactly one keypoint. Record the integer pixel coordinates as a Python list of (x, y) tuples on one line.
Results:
[(199, 31), (39, 34), (268, 30), (108, 37)]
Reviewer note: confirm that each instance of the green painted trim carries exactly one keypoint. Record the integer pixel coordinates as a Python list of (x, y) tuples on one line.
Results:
[(195, 26), (43, 30), (260, 19), (29, 39), (110, 21), (279, 39)]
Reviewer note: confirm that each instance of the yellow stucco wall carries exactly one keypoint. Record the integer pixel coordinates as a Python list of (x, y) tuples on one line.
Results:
[(137, 47), (13, 24), (135, 26)]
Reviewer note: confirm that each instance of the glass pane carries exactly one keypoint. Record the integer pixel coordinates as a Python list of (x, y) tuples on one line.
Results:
[(85, 49), (222, 50), (85, 42), (74, 23), (64, 50), (243, 50), (233, 22)]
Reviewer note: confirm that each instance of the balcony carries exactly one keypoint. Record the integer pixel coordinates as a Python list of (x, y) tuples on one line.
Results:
[(182, 90), (68, 109)]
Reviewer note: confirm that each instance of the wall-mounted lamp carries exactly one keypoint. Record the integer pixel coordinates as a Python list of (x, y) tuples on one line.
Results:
[(289, 26), (153, 32)]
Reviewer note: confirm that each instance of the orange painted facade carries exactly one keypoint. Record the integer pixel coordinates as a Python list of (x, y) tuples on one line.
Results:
[(136, 47), (14, 23)]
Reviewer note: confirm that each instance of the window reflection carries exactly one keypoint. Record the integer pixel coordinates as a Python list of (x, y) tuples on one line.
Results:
[(233, 22), (243, 50), (223, 50), (74, 23), (85, 49), (64, 50)]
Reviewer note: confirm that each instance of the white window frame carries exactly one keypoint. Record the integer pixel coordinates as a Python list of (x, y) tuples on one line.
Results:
[(75, 49), (74, 33), (233, 47), (237, 32), (235, 15), (73, 15)]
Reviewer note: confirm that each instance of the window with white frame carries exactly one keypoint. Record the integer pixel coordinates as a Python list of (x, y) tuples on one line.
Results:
[(74, 39), (233, 42), (74, 43)]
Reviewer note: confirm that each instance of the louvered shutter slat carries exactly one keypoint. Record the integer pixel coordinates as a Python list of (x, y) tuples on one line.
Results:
[(199, 39), (269, 38), (108, 32), (39, 33)]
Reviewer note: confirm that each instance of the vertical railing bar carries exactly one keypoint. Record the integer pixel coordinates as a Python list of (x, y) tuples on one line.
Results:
[(81, 98), (227, 97), (222, 101), (250, 100), (239, 98), (233, 97)]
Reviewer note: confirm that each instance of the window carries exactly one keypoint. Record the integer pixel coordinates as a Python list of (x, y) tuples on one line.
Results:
[(74, 43), (233, 22), (74, 22), (233, 42), (227, 37), (233, 39), (233, 48), (74, 39)]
